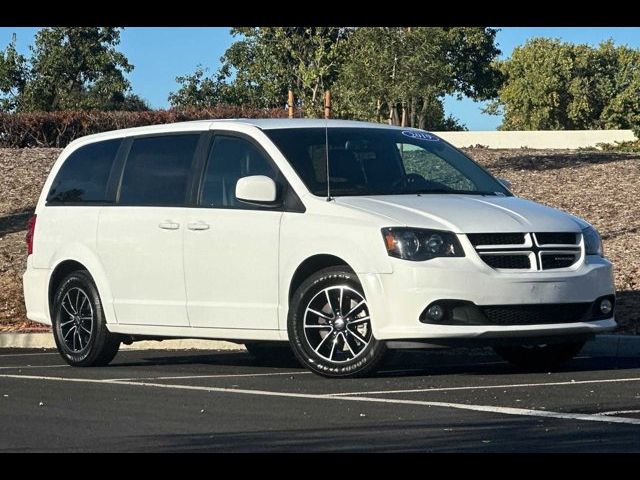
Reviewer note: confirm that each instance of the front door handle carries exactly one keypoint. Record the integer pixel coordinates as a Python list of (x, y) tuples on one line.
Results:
[(198, 226), (169, 225)]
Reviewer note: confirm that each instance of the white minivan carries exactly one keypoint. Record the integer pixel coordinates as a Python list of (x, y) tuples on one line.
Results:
[(344, 239)]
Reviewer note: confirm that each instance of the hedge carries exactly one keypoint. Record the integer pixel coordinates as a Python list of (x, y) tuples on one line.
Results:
[(57, 129)]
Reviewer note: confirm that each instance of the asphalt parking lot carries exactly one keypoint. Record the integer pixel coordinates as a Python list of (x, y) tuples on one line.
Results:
[(444, 401)]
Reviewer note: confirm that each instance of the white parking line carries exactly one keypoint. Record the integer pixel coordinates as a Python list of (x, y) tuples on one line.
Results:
[(486, 387), (458, 406), (27, 354), (229, 375), (19, 367), (618, 412)]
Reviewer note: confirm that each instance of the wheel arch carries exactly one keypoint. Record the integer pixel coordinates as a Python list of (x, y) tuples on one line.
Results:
[(370, 282), (304, 269), (58, 274), (312, 265), (82, 259)]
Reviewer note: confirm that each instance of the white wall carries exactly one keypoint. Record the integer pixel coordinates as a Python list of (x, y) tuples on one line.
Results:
[(557, 139)]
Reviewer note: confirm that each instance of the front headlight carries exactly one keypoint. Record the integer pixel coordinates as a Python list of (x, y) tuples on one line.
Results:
[(418, 244), (592, 242)]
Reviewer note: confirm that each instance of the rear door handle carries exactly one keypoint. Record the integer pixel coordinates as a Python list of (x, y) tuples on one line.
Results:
[(198, 226), (169, 225)]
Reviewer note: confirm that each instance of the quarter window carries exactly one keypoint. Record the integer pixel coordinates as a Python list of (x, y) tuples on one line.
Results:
[(231, 158), (157, 170), (84, 175)]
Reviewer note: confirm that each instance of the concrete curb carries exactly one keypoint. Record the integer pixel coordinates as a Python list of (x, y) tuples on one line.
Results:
[(602, 346), (45, 340)]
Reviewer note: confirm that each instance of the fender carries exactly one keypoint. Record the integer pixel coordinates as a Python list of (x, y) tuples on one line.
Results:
[(82, 254), (305, 236)]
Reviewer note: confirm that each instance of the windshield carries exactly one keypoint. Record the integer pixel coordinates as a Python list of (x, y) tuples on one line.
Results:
[(378, 161)]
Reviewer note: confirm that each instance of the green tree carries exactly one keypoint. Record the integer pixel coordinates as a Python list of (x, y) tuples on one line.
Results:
[(69, 68), (553, 85), (268, 61), (13, 71), (198, 90), (259, 68), (403, 73)]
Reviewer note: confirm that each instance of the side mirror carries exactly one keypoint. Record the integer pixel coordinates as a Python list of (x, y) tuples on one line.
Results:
[(256, 189), (506, 183)]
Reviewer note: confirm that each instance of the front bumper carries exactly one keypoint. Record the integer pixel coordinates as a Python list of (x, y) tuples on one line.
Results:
[(396, 300)]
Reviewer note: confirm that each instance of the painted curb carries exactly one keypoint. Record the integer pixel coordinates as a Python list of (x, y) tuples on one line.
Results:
[(602, 346), (45, 340)]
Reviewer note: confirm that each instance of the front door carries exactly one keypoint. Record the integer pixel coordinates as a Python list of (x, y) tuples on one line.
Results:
[(231, 248)]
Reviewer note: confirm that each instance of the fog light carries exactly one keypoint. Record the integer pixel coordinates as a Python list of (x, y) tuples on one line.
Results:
[(606, 306), (436, 312)]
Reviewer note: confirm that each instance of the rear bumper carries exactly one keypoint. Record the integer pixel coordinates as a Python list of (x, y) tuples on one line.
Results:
[(34, 285), (396, 300)]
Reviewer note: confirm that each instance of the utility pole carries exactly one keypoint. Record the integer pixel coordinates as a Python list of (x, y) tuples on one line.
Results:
[(290, 103), (327, 104)]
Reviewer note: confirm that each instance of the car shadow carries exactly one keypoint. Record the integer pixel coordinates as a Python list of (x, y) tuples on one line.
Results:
[(402, 363)]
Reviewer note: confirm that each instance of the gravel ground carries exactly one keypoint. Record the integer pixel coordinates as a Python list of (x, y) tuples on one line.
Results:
[(601, 187)]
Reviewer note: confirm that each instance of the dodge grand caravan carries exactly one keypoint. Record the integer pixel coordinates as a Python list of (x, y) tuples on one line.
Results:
[(344, 239)]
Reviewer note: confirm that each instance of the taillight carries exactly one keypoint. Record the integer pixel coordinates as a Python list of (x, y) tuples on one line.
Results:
[(31, 228)]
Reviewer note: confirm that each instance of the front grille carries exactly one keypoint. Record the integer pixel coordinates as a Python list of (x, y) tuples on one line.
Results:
[(558, 260), (527, 251), (560, 238), (536, 314), (478, 239), (507, 261)]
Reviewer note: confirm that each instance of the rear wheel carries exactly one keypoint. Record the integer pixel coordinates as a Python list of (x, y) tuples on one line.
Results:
[(79, 326), (540, 357), (330, 328)]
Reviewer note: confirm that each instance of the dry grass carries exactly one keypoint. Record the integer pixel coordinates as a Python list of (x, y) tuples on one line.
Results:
[(23, 173), (602, 187)]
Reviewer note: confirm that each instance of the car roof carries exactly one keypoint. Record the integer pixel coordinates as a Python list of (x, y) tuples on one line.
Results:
[(276, 123), (199, 125)]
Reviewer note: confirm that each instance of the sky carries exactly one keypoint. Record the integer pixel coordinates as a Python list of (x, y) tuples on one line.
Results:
[(160, 54)]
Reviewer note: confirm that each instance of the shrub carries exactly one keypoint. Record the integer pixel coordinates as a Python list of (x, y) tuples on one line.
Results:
[(57, 129), (626, 146)]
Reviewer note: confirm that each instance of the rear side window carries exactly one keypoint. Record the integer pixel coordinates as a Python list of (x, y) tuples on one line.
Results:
[(157, 170), (84, 175)]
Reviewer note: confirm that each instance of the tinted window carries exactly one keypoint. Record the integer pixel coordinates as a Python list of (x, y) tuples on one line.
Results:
[(84, 175), (157, 170), (231, 158), (378, 161)]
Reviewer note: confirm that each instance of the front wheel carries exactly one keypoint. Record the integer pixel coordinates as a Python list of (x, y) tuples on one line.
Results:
[(540, 357), (79, 326), (329, 326)]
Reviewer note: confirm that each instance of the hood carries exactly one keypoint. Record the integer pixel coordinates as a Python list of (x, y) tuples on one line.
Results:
[(465, 213)]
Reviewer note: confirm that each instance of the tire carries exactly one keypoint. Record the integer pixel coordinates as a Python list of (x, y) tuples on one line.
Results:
[(79, 326), (348, 349), (271, 352), (540, 357)]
